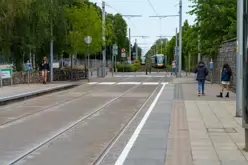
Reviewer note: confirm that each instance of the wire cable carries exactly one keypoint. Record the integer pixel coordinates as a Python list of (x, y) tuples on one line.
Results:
[(152, 7)]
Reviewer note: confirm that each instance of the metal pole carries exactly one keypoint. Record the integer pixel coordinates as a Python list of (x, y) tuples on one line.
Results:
[(130, 48), (176, 52), (112, 64), (115, 66), (136, 49), (88, 62), (1, 80), (103, 37), (189, 64), (180, 41), (51, 54), (161, 45), (239, 57)]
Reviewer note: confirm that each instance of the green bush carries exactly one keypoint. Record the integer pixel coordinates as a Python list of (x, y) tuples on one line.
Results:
[(128, 68), (169, 68)]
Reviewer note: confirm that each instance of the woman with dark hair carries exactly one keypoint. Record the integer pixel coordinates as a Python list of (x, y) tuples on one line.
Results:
[(226, 76)]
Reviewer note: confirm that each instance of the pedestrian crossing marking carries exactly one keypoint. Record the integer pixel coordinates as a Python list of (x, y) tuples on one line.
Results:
[(126, 83), (92, 83), (129, 83), (107, 83), (140, 76), (150, 83)]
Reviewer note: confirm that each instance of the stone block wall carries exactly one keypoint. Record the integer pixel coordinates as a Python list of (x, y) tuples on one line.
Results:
[(227, 54)]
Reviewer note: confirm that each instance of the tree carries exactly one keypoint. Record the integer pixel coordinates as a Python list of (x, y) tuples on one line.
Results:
[(27, 27)]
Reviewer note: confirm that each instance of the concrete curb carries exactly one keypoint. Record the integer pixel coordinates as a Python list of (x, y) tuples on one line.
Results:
[(24, 96)]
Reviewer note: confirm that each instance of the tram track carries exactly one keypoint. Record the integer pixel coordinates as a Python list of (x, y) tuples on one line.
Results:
[(82, 119), (114, 140), (57, 104)]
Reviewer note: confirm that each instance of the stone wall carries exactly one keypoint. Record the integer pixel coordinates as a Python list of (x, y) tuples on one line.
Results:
[(36, 77), (22, 78), (227, 54)]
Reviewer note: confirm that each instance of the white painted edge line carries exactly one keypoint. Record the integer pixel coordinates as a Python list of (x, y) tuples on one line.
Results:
[(150, 83), (136, 133), (107, 83), (35, 91), (128, 83)]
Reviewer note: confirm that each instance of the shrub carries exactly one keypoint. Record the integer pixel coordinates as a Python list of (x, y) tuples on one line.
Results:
[(128, 68), (75, 68), (169, 68)]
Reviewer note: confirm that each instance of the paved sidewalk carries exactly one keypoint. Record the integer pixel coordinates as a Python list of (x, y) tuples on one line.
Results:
[(9, 93), (201, 131), (204, 130)]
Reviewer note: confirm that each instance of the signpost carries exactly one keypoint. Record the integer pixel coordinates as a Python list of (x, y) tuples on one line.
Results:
[(123, 53), (6, 74), (88, 41), (28, 67), (211, 68), (115, 53)]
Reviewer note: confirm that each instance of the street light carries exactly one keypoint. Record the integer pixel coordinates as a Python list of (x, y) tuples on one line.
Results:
[(88, 41)]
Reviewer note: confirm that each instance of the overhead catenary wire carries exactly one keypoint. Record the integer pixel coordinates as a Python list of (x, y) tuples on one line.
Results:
[(152, 7)]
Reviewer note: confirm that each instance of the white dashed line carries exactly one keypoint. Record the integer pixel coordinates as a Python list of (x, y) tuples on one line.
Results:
[(150, 83), (107, 83), (129, 83)]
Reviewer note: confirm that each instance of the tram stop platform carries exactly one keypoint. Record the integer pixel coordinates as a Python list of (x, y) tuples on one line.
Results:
[(181, 128), (23, 91)]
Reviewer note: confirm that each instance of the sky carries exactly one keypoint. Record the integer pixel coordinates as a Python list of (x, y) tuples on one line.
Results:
[(145, 25)]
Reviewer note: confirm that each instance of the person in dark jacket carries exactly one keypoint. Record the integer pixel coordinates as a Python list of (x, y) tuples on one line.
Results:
[(226, 76), (201, 72), (45, 68)]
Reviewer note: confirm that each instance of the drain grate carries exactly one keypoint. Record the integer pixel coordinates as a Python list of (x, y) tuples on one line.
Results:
[(221, 130)]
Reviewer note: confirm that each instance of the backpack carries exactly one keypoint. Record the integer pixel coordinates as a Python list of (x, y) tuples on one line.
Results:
[(225, 75)]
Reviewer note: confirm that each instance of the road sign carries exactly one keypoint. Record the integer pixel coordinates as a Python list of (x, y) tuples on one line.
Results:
[(123, 55), (115, 47), (88, 40), (6, 73), (123, 50)]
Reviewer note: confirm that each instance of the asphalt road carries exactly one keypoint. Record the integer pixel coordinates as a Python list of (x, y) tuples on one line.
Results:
[(73, 127)]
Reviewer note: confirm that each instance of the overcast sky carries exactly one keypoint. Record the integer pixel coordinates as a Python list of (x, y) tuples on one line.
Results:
[(146, 26)]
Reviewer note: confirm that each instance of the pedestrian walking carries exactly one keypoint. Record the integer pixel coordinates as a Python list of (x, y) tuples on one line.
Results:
[(202, 73), (226, 75), (45, 69), (173, 68)]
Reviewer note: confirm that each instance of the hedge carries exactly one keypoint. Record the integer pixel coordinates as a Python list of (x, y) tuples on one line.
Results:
[(128, 68)]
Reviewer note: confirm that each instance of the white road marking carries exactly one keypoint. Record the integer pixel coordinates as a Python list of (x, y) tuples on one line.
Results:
[(136, 133), (141, 76), (126, 83), (129, 83), (150, 83), (107, 83), (92, 83)]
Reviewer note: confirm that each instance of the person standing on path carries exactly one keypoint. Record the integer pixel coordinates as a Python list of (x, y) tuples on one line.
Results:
[(226, 76), (45, 69), (173, 68), (202, 73)]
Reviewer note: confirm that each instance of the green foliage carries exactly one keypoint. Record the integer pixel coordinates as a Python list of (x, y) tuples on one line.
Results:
[(27, 27), (128, 68), (216, 21)]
